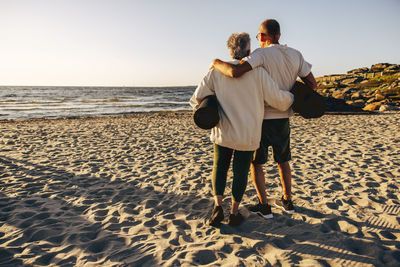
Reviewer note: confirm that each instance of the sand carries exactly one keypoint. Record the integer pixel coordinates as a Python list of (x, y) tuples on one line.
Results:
[(135, 191)]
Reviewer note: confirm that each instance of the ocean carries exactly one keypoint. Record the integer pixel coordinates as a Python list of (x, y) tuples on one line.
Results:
[(26, 102)]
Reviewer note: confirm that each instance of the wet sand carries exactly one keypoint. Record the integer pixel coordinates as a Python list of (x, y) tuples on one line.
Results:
[(135, 190)]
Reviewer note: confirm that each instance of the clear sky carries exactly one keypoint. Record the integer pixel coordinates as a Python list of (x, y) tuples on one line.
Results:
[(172, 42)]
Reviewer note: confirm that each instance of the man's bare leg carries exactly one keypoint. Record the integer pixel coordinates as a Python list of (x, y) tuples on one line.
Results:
[(286, 179), (258, 177)]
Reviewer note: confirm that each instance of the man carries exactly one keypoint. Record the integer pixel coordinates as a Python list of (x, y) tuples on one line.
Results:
[(284, 64), (238, 132)]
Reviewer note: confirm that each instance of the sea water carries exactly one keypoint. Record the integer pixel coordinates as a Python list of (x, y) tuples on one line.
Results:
[(24, 102)]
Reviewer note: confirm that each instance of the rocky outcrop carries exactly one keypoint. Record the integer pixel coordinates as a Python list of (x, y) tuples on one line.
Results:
[(364, 89), (358, 71), (380, 66)]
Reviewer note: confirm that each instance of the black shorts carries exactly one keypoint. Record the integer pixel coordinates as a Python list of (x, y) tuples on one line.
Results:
[(275, 133)]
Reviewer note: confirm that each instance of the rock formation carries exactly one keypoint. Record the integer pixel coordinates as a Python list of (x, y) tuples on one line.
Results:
[(363, 89)]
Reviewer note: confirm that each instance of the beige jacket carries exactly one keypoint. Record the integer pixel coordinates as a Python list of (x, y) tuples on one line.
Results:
[(241, 106)]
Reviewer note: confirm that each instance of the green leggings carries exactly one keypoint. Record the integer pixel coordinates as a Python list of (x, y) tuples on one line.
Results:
[(241, 165)]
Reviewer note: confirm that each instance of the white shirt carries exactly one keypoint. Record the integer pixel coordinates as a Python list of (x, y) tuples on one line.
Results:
[(242, 103), (284, 64)]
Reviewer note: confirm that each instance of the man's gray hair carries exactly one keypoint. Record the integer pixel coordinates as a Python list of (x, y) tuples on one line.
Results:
[(239, 45)]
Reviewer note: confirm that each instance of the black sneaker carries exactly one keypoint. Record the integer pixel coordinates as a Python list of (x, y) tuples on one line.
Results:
[(235, 220), (264, 210), (217, 216), (285, 205)]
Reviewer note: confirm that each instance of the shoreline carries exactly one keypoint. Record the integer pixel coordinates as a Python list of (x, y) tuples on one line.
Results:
[(176, 112), (130, 114)]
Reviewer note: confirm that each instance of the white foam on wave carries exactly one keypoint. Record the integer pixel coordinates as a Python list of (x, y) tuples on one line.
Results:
[(44, 102)]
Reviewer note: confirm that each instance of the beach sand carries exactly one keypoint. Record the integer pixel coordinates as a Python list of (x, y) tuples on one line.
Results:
[(135, 190)]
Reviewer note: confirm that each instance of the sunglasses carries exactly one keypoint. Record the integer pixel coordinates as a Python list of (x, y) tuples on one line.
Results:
[(260, 33)]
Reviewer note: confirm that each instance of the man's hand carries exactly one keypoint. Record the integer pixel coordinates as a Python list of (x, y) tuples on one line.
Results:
[(215, 61), (310, 81)]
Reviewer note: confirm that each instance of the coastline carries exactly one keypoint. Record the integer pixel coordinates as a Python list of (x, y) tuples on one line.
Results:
[(180, 112), (105, 116), (134, 189)]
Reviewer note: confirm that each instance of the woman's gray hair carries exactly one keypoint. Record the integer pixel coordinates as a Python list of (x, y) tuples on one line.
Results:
[(239, 45)]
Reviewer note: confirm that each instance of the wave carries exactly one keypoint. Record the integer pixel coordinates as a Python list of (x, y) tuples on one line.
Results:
[(38, 102)]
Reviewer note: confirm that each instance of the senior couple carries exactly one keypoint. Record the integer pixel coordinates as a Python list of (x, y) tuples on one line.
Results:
[(253, 93)]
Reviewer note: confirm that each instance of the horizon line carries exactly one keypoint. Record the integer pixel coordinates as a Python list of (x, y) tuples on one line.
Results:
[(106, 86)]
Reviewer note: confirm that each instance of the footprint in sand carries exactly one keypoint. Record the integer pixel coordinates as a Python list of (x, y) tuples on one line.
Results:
[(181, 224), (168, 253), (174, 241), (45, 259), (387, 235), (359, 202), (139, 238), (347, 227), (372, 184), (151, 223), (101, 213), (336, 186), (204, 256), (169, 216), (26, 223), (332, 205), (151, 203), (98, 245), (90, 235), (166, 235), (358, 246), (25, 215), (19, 241), (392, 209), (41, 235)]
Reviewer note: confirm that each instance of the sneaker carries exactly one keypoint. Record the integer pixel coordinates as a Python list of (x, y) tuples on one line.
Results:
[(217, 216), (235, 220), (264, 210), (285, 205)]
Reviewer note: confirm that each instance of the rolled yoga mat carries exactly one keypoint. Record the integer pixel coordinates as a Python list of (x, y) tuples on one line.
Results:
[(206, 116), (307, 102)]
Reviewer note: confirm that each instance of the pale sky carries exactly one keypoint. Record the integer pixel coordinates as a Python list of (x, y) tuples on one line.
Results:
[(172, 42)]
